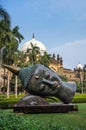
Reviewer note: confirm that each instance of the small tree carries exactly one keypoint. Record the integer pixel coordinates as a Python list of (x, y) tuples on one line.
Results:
[(45, 59), (84, 78), (4, 28), (34, 54)]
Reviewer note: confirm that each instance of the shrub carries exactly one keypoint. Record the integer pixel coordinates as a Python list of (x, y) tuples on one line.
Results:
[(8, 103), (12, 121)]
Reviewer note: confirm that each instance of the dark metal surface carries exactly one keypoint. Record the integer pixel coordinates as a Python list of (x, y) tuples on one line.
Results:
[(42, 81)]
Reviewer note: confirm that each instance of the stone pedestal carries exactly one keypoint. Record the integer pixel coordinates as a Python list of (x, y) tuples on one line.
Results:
[(36, 104), (51, 108)]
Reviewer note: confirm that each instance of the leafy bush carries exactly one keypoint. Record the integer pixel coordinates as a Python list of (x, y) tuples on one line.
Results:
[(79, 98), (12, 121), (8, 103)]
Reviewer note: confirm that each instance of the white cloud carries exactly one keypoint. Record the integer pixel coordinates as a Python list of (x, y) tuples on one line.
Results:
[(72, 53)]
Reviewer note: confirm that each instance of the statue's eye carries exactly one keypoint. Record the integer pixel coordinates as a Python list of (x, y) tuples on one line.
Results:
[(37, 77)]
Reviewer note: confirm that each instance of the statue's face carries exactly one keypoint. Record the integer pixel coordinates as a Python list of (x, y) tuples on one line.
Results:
[(44, 81), (40, 80)]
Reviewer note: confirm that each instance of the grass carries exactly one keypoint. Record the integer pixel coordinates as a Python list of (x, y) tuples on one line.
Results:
[(7, 103), (79, 98), (53, 121), (78, 95), (67, 119)]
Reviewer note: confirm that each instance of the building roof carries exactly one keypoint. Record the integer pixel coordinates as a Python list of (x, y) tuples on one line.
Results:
[(35, 42), (79, 66)]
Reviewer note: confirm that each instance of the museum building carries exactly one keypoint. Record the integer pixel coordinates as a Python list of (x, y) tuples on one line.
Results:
[(56, 61)]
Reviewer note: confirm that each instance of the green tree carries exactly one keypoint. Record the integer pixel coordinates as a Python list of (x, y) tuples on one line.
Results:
[(17, 35), (4, 28), (10, 53), (11, 48), (45, 59), (9, 39), (34, 54), (20, 59)]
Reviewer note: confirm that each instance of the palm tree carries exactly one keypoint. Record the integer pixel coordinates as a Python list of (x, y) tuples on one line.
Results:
[(10, 38), (4, 28), (45, 59), (4, 16), (9, 54), (4, 33), (13, 50), (16, 34), (34, 54), (20, 59)]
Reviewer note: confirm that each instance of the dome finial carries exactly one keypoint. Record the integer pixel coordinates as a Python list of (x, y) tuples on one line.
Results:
[(33, 36)]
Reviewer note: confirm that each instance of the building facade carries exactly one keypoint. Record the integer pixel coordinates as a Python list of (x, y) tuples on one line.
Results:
[(56, 64)]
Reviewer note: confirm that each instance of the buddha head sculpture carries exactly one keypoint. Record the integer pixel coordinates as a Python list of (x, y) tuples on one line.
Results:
[(42, 81)]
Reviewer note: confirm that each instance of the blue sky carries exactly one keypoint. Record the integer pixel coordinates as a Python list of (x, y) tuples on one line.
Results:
[(59, 24)]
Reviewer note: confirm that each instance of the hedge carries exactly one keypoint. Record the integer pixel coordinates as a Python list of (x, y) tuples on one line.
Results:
[(8, 103)]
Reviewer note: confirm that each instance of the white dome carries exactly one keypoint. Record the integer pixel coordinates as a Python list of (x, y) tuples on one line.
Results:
[(27, 45), (79, 66)]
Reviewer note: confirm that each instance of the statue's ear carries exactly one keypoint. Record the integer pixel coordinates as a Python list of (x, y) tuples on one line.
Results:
[(13, 69)]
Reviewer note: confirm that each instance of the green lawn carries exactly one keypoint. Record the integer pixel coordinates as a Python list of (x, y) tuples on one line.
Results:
[(67, 119), (53, 121)]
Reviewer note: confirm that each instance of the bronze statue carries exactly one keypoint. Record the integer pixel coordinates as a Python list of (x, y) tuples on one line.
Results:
[(42, 81)]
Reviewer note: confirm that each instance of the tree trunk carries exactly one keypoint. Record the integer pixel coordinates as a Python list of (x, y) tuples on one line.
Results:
[(0, 58), (0, 87), (8, 86), (81, 83), (16, 80)]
